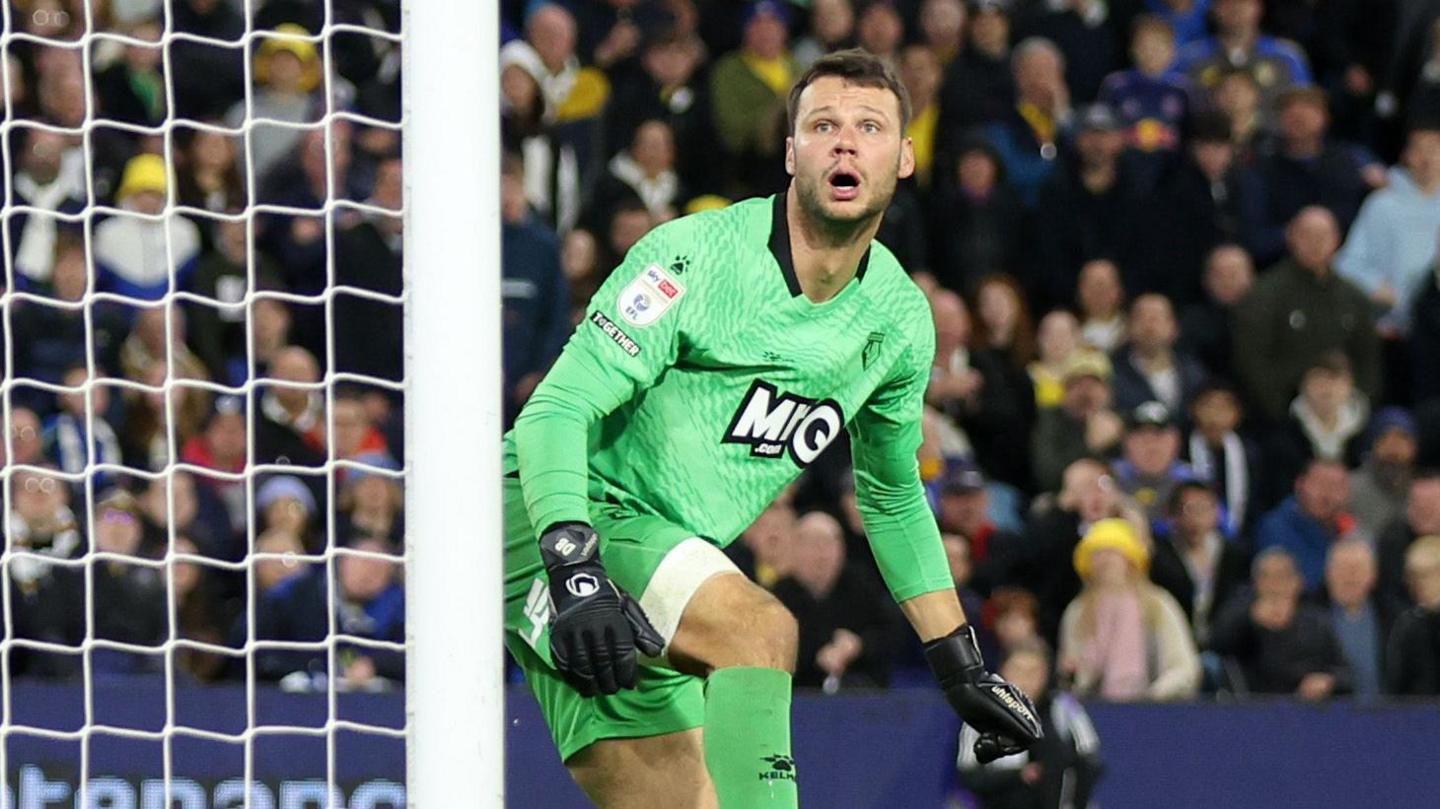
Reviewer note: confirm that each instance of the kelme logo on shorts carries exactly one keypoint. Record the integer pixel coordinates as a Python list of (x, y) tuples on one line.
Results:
[(770, 422), (781, 768)]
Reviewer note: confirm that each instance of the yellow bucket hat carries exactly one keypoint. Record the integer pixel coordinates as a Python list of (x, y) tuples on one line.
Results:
[(289, 38), (1113, 534), (144, 172)]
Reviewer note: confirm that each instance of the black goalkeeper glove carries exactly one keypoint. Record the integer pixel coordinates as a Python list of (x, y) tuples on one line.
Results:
[(1001, 713), (597, 626)]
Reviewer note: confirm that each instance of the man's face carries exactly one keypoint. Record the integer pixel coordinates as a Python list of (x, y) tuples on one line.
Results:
[(1100, 147), (1422, 510), (42, 158), (226, 436), (1199, 513), (1089, 491), (670, 63), (1213, 157), (1152, 450), (1327, 391), (1152, 324), (1323, 490), (963, 511), (117, 531), (25, 435), (1216, 412), (848, 151), (1237, 95), (654, 148), (1038, 76), (1100, 290), (880, 29), (942, 21), (1058, 336), (1153, 50), (765, 36), (1276, 577), (1422, 155), (990, 30), (1396, 447), (952, 322), (1350, 574), (1302, 121), (552, 33), (1086, 395), (1313, 237), (957, 554), (1229, 275), (819, 552), (364, 578), (1238, 16), (920, 72), (831, 20), (351, 424)]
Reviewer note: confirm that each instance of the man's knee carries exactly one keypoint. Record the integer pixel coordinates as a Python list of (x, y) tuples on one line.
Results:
[(733, 622)]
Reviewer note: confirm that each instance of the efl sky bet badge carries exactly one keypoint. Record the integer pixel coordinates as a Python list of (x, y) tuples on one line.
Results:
[(645, 299)]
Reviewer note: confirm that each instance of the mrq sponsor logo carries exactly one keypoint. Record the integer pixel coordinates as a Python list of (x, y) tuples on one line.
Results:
[(34, 788)]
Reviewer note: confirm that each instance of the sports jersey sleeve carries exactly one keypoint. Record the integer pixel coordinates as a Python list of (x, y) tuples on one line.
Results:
[(630, 334), (885, 435)]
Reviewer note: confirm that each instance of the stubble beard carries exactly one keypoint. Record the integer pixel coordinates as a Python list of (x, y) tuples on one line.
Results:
[(840, 228)]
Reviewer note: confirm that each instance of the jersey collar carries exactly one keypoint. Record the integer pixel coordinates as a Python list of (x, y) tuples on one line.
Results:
[(780, 247)]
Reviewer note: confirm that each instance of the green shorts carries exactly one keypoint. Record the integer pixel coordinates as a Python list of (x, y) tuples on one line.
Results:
[(657, 562)]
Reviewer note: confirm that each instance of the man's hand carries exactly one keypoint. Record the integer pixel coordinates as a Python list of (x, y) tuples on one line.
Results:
[(835, 657), (1315, 686), (597, 626), (1001, 713)]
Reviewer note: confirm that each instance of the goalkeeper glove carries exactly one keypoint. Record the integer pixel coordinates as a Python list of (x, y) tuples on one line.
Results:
[(597, 626), (1001, 713)]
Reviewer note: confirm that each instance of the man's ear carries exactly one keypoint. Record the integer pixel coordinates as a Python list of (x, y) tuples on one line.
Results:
[(790, 155), (907, 158)]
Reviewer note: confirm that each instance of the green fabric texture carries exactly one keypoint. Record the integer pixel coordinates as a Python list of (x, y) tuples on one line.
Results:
[(747, 738)]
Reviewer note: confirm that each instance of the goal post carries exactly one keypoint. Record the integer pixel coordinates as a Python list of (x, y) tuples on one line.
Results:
[(452, 355)]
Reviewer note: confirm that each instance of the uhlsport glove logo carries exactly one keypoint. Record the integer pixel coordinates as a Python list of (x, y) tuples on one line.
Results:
[(1002, 693), (582, 585)]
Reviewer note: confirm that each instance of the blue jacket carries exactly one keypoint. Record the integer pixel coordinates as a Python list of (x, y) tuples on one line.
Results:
[(1392, 243), (1026, 166), (1287, 526), (536, 303)]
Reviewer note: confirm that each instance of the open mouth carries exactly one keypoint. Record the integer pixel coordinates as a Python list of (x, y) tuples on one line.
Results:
[(844, 185)]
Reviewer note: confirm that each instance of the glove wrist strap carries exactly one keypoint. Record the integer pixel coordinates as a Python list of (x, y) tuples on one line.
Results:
[(569, 545), (954, 653)]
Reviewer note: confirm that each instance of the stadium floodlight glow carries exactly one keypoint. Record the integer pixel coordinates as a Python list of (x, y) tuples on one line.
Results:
[(454, 719)]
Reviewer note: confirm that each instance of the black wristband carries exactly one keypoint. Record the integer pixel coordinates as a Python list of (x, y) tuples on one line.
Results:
[(567, 544), (956, 652)]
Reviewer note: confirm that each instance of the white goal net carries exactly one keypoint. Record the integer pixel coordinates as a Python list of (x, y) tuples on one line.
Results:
[(204, 401)]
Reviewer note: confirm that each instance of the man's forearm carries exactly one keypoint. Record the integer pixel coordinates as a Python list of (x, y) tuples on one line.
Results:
[(934, 615)]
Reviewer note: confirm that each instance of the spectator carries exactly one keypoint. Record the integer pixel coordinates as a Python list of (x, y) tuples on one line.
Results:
[(276, 559), (198, 515), (369, 256), (285, 503), (979, 86), (270, 322), (763, 551), (1013, 616), (1083, 208), (580, 264), (371, 503), (1196, 209), (1003, 322), (1058, 339), (129, 598), (1149, 367), (1151, 102), (1299, 310), (1206, 327), (45, 599), (216, 330), (920, 71), (1282, 644), (832, 28), (957, 555), (1276, 64), (1413, 653), (1081, 30), (1194, 563), (1327, 420), (145, 441), (1102, 305), (1308, 522), (1061, 773), (132, 89), (1150, 467), (136, 255), (1030, 135), (297, 242), (207, 171), (645, 171), (1083, 425), (1379, 487), (48, 181), (670, 87), (554, 175), (291, 426), (222, 448), (747, 91), (1421, 518), (1360, 618), (880, 30), (1390, 251), (964, 513), (199, 615), (370, 604), (288, 77), (1123, 638), (158, 341), (79, 435), (48, 339), (1304, 168), (26, 439), (976, 220), (848, 635), (942, 29), (1425, 341), (207, 79), (1236, 96), (1218, 455)]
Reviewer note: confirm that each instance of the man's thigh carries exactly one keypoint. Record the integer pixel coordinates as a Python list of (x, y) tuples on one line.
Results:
[(654, 772)]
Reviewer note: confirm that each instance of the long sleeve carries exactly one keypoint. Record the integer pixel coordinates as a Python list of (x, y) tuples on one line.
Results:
[(885, 435), (1363, 260), (612, 355), (1254, 345), (1178, 676)]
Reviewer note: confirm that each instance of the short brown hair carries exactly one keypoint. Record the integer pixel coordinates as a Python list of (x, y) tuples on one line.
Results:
[(854, 66)]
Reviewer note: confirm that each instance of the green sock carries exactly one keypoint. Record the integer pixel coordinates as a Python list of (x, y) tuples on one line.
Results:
[(747, 738)]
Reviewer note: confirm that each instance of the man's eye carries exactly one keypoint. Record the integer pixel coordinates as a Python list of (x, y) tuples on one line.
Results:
[(870, 127), (824, 126)]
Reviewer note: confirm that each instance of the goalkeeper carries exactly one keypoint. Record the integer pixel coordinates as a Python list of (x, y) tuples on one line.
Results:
[(720, 359)]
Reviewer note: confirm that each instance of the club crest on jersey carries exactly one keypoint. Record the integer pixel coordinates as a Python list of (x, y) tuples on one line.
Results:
[(646, 298), (872, 348), (772, 423)]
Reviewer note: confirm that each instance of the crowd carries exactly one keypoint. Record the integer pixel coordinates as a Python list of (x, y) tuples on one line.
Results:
[(1183, 424), (133, 331)]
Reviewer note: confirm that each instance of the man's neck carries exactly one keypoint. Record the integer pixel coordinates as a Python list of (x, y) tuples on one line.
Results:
[(1427, 185), (1154, 359), (826, 257)]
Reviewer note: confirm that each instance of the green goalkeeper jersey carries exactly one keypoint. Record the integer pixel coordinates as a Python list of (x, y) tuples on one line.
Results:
[(702, 381)]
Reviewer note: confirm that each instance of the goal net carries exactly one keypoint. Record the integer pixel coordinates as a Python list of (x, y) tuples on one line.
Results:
[(205, 401)]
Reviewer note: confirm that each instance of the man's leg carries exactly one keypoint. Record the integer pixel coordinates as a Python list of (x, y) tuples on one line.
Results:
[(655, 772), (743, 641)]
